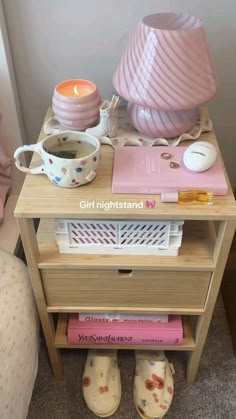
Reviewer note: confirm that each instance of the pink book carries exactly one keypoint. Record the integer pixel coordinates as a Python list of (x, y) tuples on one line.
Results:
[(122, 317), (141, 170), (113, 333)]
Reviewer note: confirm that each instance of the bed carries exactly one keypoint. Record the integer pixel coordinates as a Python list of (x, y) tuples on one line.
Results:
[(19, 338), (19, 325)]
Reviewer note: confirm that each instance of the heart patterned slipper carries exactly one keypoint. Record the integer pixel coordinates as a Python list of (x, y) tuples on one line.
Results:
[(153, 384), (101, 383)]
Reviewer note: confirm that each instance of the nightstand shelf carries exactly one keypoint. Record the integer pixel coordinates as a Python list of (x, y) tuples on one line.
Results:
[(61, 338), (196, 252), (187, 284)]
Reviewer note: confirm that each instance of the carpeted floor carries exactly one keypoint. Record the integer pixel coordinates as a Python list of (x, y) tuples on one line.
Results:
[(213, 396)]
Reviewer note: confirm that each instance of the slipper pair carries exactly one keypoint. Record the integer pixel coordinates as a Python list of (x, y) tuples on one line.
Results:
[(153, 383)]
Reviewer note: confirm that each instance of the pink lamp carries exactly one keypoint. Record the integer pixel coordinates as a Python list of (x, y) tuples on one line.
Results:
[(165, 74)]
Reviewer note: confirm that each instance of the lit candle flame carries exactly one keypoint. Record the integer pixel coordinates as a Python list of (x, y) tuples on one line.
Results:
[(76, 91)]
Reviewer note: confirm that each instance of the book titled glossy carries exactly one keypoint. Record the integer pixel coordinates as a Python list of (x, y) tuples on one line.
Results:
[(122, 317)]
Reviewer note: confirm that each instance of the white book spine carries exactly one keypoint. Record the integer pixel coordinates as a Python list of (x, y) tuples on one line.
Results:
[(110, 317)]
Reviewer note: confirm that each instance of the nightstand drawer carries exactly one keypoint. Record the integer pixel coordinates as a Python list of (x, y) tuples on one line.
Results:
[(123, 288)]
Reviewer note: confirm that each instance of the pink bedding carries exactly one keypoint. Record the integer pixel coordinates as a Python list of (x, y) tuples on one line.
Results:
[(5, 179)]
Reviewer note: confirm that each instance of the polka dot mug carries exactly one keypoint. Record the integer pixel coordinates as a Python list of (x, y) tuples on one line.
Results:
[(69, 159)]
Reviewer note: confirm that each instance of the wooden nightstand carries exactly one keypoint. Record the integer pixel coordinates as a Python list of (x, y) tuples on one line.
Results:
[(187, 284), (228, 289)]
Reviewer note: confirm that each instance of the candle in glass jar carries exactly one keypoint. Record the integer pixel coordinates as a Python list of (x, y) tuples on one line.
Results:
[(76, 88), (76, 104)]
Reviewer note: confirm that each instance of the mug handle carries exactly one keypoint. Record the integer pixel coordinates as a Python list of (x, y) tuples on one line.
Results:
[(32, 147)]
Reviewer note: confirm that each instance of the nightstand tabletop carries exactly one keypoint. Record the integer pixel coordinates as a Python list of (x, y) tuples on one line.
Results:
[(39, 198)]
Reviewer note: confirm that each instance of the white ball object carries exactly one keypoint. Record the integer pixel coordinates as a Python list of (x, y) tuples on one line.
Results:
[(200, 156)]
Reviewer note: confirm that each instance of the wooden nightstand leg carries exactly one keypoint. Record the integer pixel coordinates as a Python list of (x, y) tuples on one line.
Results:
[(220, 255), (195, 356), (29, 241)]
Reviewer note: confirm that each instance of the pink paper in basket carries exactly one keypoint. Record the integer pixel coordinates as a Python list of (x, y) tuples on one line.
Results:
[(126, 333), (5, 179)]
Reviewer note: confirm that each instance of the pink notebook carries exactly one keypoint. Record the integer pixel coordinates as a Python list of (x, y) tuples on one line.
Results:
[(141, 170), (170, 333)]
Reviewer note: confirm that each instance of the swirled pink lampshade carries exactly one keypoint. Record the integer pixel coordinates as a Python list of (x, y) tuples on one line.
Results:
[(167, 65)]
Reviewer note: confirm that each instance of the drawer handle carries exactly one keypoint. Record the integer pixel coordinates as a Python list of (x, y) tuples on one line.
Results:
[(125, 272)]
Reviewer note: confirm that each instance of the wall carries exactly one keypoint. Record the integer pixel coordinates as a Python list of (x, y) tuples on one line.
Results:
[(52, 40)]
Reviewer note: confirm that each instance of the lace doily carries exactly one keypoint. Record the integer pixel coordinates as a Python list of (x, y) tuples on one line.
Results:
[(127, 135)]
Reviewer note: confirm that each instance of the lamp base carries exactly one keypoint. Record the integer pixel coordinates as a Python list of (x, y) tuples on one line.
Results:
[(164, 124)]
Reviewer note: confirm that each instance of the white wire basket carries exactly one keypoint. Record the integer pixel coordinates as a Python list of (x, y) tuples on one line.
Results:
[(119, 237)]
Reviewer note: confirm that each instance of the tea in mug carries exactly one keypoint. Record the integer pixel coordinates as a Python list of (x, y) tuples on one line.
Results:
[(71, 149)]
